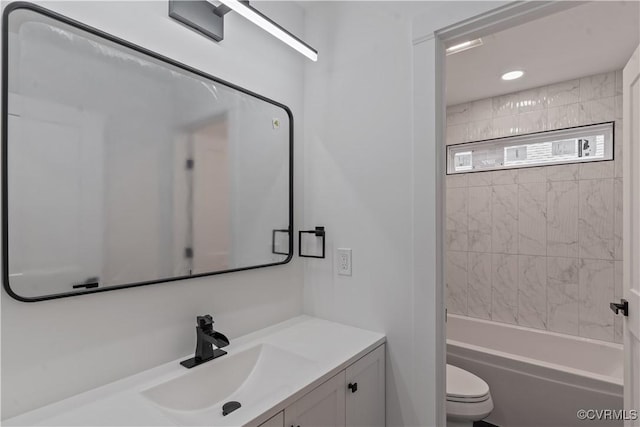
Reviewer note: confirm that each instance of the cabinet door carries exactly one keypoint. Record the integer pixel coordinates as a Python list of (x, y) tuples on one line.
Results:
[(365, 399), (321, 407), (276, 421)]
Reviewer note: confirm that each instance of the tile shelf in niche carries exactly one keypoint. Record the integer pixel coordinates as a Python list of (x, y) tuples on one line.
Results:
[(564, 146)]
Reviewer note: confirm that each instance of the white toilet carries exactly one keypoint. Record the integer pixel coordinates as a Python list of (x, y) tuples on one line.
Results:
[(468, 398)]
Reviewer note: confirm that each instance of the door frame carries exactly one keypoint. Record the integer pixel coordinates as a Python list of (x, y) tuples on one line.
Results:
[(429, 167), (631, 321)]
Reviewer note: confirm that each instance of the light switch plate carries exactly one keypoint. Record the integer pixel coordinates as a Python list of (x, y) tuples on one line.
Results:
[(343, 260)]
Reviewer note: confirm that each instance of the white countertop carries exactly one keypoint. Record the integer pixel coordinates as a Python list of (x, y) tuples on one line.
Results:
[(330, 346)]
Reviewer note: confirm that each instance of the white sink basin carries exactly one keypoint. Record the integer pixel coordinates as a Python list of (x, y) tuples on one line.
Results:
[(249, 377)]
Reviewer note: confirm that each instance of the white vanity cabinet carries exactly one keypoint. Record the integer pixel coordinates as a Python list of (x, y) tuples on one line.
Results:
[(276, 421), (354, 397), (323, 406), (365, 392), (283, 376)]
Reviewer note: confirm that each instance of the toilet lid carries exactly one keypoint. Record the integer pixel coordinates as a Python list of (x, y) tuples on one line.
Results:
[(464, 386)]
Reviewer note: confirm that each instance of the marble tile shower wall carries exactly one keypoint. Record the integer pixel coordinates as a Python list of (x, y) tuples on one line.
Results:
[(538, 247)]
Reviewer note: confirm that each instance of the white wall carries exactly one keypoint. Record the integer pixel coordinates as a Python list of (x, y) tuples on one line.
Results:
[(54, 349), (361, 183)]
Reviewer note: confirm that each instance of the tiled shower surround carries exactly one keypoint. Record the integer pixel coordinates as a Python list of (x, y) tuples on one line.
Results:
[(538, 247)]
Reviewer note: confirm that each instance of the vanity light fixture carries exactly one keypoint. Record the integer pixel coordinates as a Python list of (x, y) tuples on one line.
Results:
[(243, 9), (461, 47), (512, 75), (208, 19)]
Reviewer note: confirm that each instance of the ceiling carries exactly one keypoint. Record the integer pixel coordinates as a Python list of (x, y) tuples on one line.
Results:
[(588, 39)]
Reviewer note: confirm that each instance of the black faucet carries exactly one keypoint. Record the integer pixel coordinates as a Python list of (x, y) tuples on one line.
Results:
[(206, 339)]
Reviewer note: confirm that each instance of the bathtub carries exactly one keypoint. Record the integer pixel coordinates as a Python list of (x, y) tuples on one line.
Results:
[(537, 378)]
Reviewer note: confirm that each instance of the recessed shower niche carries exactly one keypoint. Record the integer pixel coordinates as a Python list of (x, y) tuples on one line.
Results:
[(125, 168), (581, 144)]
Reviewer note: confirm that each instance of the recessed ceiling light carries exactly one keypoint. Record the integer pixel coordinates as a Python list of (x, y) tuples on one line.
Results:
[(512, 75), (464, 46)]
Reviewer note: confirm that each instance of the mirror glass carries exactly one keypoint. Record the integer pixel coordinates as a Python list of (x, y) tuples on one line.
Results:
[(123, 168)]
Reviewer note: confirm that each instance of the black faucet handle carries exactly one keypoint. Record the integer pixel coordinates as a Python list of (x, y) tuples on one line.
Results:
[(205, 321)]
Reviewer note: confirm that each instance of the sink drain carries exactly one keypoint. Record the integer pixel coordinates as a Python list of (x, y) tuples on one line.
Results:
[(229, 407)]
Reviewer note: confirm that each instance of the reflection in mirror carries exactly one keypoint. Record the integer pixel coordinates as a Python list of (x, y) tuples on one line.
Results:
[(123, 168)]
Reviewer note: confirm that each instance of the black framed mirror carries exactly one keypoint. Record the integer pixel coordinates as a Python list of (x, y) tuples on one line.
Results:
[(124, 168)]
